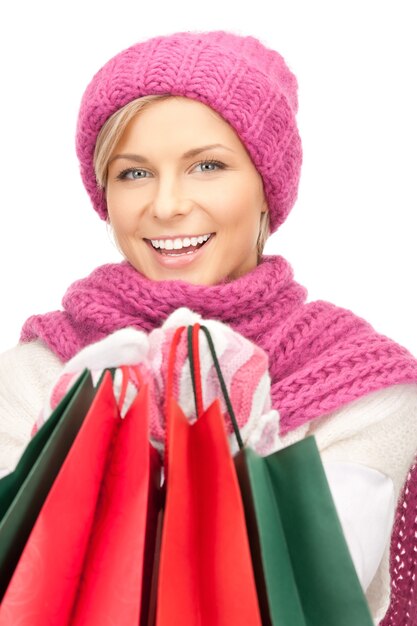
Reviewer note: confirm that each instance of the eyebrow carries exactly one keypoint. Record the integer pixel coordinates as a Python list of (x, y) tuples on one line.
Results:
[(190, 153)]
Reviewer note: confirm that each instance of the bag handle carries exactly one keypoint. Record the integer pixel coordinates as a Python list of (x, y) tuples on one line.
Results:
[(127, 371), (194, 357), (171, 364), (170, 387)]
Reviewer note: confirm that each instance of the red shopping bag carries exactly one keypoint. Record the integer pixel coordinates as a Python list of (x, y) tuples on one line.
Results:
[(118, 566), (87, 555), (205, 571)]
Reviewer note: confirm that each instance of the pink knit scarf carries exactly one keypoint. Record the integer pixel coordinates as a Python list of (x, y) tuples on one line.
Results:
[(321, 356)]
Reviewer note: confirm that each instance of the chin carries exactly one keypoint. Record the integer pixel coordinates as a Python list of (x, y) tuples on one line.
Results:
[(193, 278)]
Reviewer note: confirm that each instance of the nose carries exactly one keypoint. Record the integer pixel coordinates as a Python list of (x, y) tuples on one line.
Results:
[(169, 201)]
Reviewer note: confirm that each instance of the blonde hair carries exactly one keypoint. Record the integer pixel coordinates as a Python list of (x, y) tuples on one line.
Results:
[(264, 233), (111, 132)]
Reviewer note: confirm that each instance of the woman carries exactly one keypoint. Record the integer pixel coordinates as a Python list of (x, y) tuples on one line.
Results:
[(188, 146)]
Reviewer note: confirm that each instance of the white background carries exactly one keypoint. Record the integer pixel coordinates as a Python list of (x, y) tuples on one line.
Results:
[(351, 236)]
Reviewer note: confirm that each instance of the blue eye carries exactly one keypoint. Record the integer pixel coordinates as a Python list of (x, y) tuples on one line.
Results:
[(135, 174), (211, 164)]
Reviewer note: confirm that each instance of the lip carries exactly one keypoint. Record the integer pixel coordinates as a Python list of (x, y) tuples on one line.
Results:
[(174, 262), (177, 237)]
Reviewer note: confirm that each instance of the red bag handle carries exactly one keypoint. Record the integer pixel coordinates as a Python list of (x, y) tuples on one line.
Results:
[(126, 369), (171, 364), (170, 386), (194, 356)]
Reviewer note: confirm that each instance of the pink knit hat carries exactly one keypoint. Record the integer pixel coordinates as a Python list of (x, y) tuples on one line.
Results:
[(249, 85)]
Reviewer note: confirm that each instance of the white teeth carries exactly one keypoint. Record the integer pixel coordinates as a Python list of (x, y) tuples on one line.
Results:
[(178, 244)]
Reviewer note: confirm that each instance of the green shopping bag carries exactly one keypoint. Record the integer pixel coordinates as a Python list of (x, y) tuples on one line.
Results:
[(304, 573), (23, 491)]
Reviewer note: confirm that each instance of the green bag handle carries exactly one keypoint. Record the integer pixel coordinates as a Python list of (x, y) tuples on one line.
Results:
[(192, 356)]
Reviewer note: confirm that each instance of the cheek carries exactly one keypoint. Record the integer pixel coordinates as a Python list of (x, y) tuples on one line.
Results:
[(233, 201), (121, 210), (116, 198)]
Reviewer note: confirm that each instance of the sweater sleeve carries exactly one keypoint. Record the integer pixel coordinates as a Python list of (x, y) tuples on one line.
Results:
[(365, 502), (26, 373), (376, 433)]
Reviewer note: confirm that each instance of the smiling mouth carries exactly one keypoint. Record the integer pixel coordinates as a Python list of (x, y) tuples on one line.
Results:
[(182, 252), (191, 249)]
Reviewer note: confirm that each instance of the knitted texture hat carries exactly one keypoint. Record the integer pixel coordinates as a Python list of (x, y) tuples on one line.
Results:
[(249, 85)]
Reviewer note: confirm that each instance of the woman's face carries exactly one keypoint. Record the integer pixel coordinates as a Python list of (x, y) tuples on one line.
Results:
[(178, 173)]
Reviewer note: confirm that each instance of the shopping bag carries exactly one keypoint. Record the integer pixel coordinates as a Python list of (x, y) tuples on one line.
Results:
[(115, 586), (12, 482), (23, 491), (304, 572), (87, 554), (205, 572)]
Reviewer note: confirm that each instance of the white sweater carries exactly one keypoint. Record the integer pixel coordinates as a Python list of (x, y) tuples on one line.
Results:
[(367, 448)]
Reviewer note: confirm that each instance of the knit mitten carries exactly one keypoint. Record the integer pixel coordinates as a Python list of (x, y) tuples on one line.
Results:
[(244, 367), (245, 370)]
